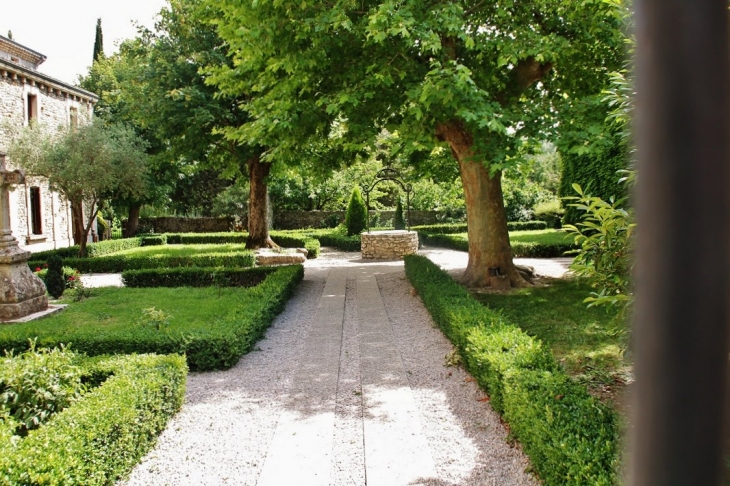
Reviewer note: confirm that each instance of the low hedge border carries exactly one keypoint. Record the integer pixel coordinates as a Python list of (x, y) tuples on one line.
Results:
[(570, 437), (100, 438), (520, 249), (341, 242), (92, 249), (154, 240), (284, 240), (218, 345), (205, 238), (196, 277), (120, 263), (451, 228)]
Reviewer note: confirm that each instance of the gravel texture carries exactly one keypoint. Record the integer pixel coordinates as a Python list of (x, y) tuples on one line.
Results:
[(230, 419)]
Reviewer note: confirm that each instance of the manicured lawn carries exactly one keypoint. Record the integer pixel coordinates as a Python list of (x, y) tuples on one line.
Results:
[(588, 342), (182, 250), (213, 326)]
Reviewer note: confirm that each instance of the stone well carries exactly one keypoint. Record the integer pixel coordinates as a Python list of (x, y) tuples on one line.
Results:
[(389, 244)]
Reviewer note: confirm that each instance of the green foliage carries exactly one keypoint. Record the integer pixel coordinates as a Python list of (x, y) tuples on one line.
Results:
[(213, 332), (195, 277), (88, 164), (525, 244), (551, 212), (38, 383), (55, 282), (156, 240), (98, 43), (312, 245), (92, 250), (357, 213), (451, 228), (99, 438), (570, 437), (205, 238), (399, 222), (155, 318), (166, 256), (340, 241), (604, 238), (521, 195)]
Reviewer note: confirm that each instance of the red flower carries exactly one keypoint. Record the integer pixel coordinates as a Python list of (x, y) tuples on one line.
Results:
[(37, 269), (71, 278), (45, 265)]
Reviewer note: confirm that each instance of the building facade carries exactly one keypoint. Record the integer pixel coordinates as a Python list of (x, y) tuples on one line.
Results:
[(40, 217)]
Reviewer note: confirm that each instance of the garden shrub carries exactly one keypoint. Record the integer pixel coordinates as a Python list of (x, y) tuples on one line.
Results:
[(520, 249), (205, 238), (153, 240), (38, 383), (92, 249), (100, 437), (551, 212), (196, 277), (570, 437), (120, 263), (398, 221), (356, 216), (341, 242), (55, 283), (452, 228), (217, 345)]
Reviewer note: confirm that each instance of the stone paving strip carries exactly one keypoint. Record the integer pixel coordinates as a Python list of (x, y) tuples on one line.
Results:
[(351, 386)]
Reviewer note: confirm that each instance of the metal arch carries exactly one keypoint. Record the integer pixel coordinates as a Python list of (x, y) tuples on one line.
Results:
[(389, 174)]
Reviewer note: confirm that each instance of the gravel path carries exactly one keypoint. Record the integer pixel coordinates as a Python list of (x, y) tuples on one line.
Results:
[(350, 386)]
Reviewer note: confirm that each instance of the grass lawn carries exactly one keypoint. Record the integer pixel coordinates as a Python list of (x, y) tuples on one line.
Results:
[(589, 342), (181, 250)]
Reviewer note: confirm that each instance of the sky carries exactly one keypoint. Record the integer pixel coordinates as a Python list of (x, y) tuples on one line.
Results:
[(64, 30)]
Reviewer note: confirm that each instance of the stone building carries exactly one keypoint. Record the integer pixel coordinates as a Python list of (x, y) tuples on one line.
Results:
[(40, 217)]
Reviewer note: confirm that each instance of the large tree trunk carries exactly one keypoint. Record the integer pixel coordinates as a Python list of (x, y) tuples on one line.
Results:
[(132, 220), (79, 228), (258, 224), (489, 247)]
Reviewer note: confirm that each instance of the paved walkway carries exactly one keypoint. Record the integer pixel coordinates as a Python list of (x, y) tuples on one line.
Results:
[(351, 386)]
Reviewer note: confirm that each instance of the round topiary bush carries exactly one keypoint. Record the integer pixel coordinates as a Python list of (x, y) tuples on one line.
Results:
[(357, 213), (55, 282)]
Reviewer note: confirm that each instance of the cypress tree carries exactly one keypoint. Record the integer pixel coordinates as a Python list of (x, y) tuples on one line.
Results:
[(10, 34), (357, 214), (399, 222), (55, 283), (98, 42)]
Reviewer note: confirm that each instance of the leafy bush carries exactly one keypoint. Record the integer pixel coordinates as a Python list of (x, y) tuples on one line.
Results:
[(526, 225), (356, 216), (551, 212), (570, 437), (217, 344), (92, 249), (451, 228), (196, 277), (38, 383), (520, 249), (120, 263), (71, 276), (341, 242), (100, 437), (604, 238), (55, 283), (154, 240)]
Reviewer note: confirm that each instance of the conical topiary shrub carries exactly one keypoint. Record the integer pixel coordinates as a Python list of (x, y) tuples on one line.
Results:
[(55, 283), (398, 221), (356, 216)]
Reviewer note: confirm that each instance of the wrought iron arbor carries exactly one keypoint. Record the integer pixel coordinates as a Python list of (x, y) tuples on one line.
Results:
[(388, 173)]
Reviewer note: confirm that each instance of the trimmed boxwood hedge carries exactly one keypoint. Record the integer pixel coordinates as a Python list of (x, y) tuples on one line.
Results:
[(196, 277), (120, 263), (341, 242), (312, 245), (92, 249), (101, 437), (520, 249), (570, 437), (217, 345), (452, 228), (205, 238), (154, 240)]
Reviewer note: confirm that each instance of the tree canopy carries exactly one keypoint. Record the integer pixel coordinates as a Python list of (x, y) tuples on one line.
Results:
[(481, 78)]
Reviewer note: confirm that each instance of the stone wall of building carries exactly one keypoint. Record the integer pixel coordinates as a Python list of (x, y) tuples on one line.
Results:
[(54, 108)]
